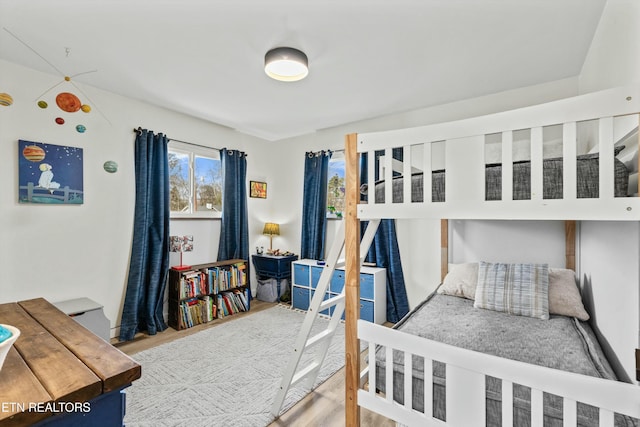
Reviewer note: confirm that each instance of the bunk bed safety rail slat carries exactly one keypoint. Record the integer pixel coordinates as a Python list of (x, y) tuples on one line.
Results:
[(465, 384), (464, 166)]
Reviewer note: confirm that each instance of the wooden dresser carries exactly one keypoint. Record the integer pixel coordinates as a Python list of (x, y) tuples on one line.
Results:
[(60, 374)]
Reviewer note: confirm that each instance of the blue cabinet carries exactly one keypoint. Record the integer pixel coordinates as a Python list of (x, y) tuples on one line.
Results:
[(373, 289)]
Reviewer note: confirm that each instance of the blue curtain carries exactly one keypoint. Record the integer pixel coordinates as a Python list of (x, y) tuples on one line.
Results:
[(143, 304), (234, 233), (314, 204), (385, 253)]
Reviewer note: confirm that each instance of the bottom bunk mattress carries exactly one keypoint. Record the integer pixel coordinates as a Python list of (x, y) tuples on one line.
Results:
[(561, 342)]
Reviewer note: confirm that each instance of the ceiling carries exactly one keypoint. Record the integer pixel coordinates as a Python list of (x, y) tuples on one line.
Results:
[(367, 58)]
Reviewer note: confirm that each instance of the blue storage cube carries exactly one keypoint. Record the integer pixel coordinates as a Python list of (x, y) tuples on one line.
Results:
[(300, 298), (301, 274), (366, 286), (316, 272), (337, 281), (366, 310)]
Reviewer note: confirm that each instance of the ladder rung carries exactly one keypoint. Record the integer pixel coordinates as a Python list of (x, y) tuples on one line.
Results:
[(303, 373), (340, 264), (330, 302), (327, 333)]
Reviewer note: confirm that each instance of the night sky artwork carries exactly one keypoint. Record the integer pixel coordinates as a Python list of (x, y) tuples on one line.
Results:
[(50, 174)]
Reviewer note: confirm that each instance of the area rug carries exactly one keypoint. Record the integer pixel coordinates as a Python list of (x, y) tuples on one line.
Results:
[(227, 375)]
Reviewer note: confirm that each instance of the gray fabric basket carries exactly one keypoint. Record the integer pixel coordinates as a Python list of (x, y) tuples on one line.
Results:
[(267, 290)]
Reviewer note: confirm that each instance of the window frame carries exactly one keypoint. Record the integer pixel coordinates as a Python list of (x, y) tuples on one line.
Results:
[(193, 151)]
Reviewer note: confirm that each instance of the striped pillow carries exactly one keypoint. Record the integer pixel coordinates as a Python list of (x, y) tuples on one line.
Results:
[(520, 289)]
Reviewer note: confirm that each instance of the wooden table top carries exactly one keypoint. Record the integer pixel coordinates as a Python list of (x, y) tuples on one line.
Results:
[(55, 359)]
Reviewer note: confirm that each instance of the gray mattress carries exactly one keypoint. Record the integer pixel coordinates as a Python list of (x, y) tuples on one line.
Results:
[(561, 343), (587, 173)]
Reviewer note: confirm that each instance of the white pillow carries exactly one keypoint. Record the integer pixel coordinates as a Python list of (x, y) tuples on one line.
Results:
[(460, 281), (564, 296)]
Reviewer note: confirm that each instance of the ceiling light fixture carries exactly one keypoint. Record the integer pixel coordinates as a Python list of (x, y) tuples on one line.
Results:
[(286, 64)]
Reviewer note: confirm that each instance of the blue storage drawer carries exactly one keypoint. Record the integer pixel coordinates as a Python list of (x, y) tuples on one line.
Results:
[(316, 272), (366, 286), (300, 298), (366, 311), (301, 274), (337, 281)]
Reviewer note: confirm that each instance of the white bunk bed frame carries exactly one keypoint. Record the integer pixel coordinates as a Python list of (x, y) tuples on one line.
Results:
[(465, 169)]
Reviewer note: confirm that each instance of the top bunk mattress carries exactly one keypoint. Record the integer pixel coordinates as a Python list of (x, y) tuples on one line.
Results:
[(587, 181)]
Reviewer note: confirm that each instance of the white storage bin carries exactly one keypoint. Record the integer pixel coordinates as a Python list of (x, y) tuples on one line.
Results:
[(88, 313)]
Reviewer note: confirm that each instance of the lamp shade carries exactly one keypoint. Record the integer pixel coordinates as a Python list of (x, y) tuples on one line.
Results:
[(286, 64), (271, 229)]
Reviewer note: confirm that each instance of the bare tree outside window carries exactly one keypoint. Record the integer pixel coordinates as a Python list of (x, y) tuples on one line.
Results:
[(195, 184)]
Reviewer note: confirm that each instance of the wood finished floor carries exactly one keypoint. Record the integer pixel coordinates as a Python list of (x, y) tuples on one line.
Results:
[(323, 407)]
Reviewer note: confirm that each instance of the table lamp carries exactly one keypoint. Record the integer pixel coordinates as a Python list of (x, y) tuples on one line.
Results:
[(181, 244), (271, 229)]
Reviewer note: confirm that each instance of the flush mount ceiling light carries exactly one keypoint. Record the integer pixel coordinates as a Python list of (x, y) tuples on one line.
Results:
[(286, 64)]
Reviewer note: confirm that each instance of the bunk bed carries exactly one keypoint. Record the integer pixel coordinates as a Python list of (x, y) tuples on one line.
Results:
[(463, 375)]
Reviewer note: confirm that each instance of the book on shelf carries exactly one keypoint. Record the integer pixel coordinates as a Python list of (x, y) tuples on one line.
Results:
[(196, 311)]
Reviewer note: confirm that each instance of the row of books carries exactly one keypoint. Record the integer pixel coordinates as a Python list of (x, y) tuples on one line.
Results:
[(232, 302), (225, 278), (193, 284), (197, 310), (212, 280)]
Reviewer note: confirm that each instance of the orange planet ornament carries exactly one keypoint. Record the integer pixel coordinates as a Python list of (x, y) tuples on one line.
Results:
[(68, 102)]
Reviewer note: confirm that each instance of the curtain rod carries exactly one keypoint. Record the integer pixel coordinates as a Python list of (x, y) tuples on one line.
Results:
[(184, 142)]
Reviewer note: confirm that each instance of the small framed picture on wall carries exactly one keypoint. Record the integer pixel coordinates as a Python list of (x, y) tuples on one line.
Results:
[(258, 189)]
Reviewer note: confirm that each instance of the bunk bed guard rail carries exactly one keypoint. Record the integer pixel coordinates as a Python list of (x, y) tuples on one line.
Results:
[(463, 161)]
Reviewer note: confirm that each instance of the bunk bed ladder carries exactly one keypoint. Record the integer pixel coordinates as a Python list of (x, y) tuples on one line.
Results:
[(321, 341)]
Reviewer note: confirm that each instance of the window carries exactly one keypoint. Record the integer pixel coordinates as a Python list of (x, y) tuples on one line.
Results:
[(335, 186), (195, 182)]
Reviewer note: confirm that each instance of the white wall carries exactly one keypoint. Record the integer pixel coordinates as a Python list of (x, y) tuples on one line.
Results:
[(540, 242), (65, 252), (614, 55)]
